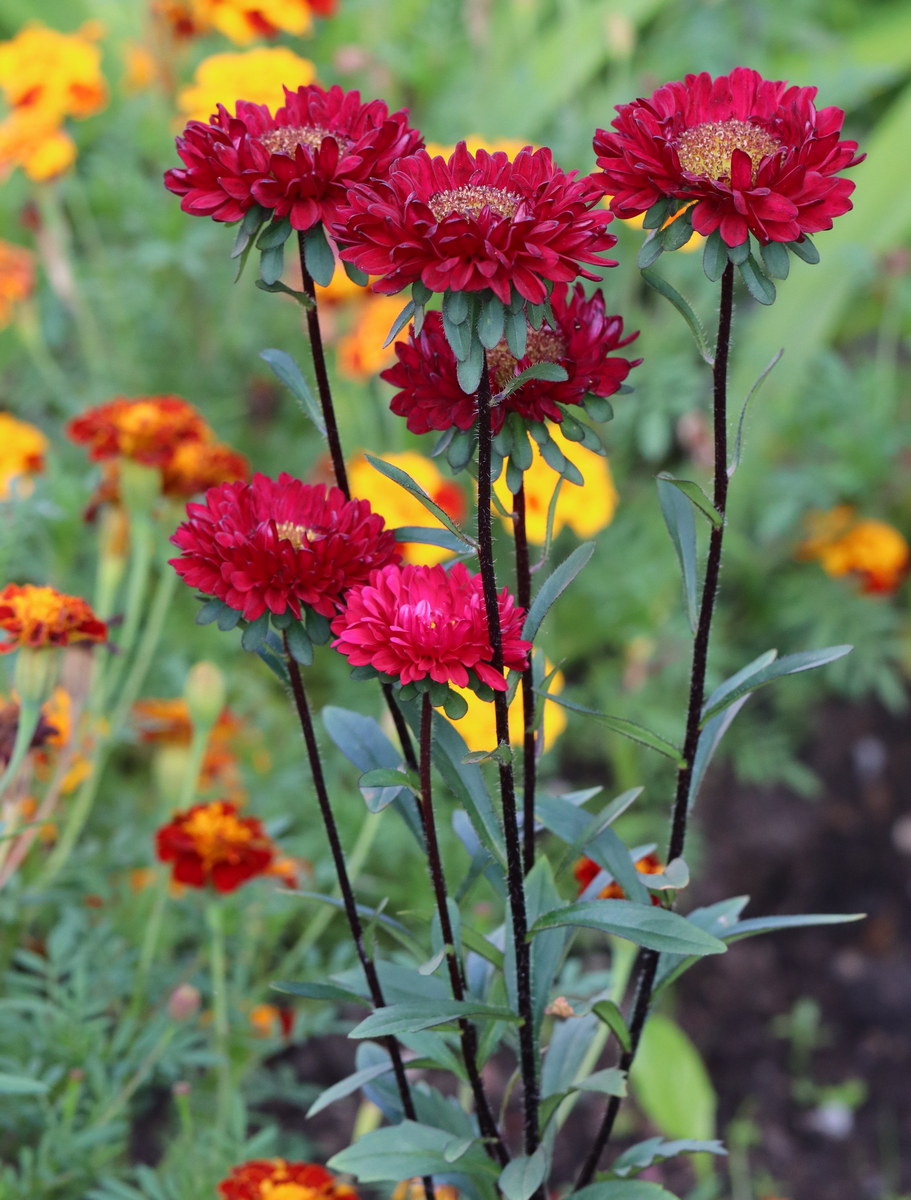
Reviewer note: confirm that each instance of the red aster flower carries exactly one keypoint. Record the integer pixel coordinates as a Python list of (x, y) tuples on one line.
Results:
[(298, 164), (146, 429), (277, 1179), (424, 623), (211, 844), (581, 341), (278, 544), (476, 221), (755, 156), (38, 617)]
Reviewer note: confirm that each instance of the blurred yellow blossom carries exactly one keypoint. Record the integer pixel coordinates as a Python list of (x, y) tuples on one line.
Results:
[(361, 352), (398, 507), (845, 544), (17, 282), (475, 142), (52, 73), (586, 510), (22, 450), (695, 242), (256, 75), (31, 140), (478, 726), (244, 21)]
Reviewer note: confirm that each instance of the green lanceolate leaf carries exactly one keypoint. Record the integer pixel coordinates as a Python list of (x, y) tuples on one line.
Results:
[(739, 254), (755, 925), (424, 1014), (255, 633), (609, 1082), (643, 924), (400, 322), (345, 1087), (210, 611), (515, 329), (468, 370), (677, 232), (696, 497), (599, 408), (650, 250), (738, 441), (553, 586), (578, 827), (714, 256), (428, 536), (629, 729), (608, 1012), (271, 264), (623, 1189), (678, 516), (791, 664), (671, 1083), (319, 991), (282, 289), (381, 785), (683, 306), (656, 1149), (355, 274), (403, 479), (409, 1148), (286, 369), (455, 307), (757, 283), (491, 321), (805, 250), (655, 216), (318, 257), (300, 647), (522, 1177), (550, 371)]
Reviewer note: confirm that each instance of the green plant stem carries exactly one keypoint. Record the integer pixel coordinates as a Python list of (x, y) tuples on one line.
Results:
[(29, 716), (220, 1010), (514, 873), (150, 938), (341, 872), (142, 541), (529, 756), (468, 1034), (648, 959)]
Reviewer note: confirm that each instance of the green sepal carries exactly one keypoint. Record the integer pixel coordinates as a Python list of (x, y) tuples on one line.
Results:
[(455, 706), (515, 328), (550, 371), (275, 234), (272, 263), (460, 449), (739, 254), (399, 323), (714, 256), (650, 251), (468, 370), (420, 292), (254, 219), (805, 250), (355, 274), (678, 232), (280, 288), (775, 260), (318, 257), (255, 633), (599, 408), (758, 284), (300, 647), (491, 321), (228, 619), (286, 369), (456, 307), (654, 217), (210, 611)]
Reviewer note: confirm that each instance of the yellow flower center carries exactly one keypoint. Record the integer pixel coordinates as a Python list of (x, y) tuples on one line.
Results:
[(297, 535), (706, 149), (470, 201), (543, 345), (217, 834), (287, 138), (287, 1191)]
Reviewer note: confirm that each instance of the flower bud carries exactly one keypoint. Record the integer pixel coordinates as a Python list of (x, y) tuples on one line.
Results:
[(204, 693), (184, 1002)]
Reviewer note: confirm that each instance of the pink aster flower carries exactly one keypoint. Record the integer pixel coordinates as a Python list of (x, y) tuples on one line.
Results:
[(752, 155), (476, 221), (278, 544), (298, 163), (582, 341), (426, 623)]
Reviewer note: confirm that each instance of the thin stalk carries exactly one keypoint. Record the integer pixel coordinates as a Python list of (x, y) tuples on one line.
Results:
[(29, 716), (150, 938), (648, 964), (467, 1031), (344, 881), (514, 874), (529, 756), (218, 967)]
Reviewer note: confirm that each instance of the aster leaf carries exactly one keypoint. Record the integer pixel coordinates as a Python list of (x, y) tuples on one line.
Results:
[(738, 441), (299, 645), (593, 835), (380, 786), (650, 251), (275, 662), (696, 496), (522, 449), (623, 1189), (535, 315), (516, 332), (455, 706), (683, 306), (318, 257), (428, 536), (656, 1149), (460, 449), (351, 1083), (491, 321), (459, 338), (420, 292), (572, 430), (406, 1149), (255, 633), (550, 371), (678, 232), (289, 373), (514, 477), (805, 250), (714, 256), (739, 254), (399, 323), (355, 274), (415, 1015), (272, 263), (282, 289), (403, 479), (210, 611), (757, 283), (521, 1178), (228, 619), (553, 587), (628, 729), (643, 924), (608, 1012), (275, 234), (468, 370), (599, 408), (775, 259), (681, 525), (790, 664), (319, 991), (455, 307), (555, 458), (654, 217)]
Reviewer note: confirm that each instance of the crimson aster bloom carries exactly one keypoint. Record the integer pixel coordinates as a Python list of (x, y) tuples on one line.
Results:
[(476, 221), (278, 1179), (297, 164), (211, 844), (751, 155), (279, 544), (581, 340), (420, 623)]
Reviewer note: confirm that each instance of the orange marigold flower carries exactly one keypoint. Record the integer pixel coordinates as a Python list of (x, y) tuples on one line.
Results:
[(41, 616), (33, 141), (211, 844), (194, 467), (586, 870), (845, 544), (413, 1189), (269, 1021), (146, 429), (361, 353), (56, 74), (278, 1179), (17, 282), (22, 448)]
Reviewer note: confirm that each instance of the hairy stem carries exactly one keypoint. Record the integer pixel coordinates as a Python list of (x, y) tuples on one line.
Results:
[(648, 959), (529, 756)]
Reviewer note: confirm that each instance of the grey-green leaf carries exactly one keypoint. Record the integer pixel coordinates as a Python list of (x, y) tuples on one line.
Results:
[(643, 924), (790, 664), (286, 369), (681, 525)]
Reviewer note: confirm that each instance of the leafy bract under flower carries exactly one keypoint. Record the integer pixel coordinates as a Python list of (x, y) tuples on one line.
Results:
[(753, 156), (40, 617), (582, 340), (475, 222), (424, 624), (211, 844), (280, 545), (297, 164)]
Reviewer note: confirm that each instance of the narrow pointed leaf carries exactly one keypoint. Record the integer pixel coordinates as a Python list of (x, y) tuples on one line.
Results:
[(399, 323), (696, 497), (286, 369), (683, 306), (424, 1014), (608, 1012), (629, 729), (758, 284), (403, 479), (345, 1087), (521, 1178), (738, 441), (791, 664), (642, 924), (554, 586), (681, 525)]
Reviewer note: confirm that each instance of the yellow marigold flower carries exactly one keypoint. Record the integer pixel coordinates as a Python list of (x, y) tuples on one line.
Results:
[(340, 289), (413, 1189), (256, 75), (361, 353), (476, 142), (845, 544), (398, 507), (22, 450), (52, 73), (140, 69), (17, 282), (243, 21), (586, 510), (478, 726), (35, 143), (37, 617)]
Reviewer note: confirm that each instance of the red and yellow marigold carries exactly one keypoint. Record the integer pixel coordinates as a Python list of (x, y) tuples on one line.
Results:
[(874, 552), (209, 844), (278, 1179), (37, 617)]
